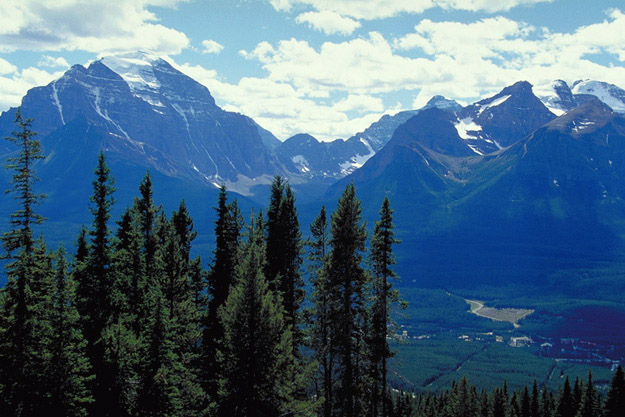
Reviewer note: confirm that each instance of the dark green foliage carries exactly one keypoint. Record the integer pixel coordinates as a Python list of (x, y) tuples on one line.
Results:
[(566, 401), (256, 352), (320, 317), (23, 180), (26, 301), (159, 392), (590, 404), (94, 285), (381, 258), (283, 248), (27, 333), (220, 280), (346, 286), (70, 369), (615, 401)]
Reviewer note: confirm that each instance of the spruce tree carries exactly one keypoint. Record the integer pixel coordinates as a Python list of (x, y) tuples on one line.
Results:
[(535, 401), (148, 213), (184, 319), (615, 401), (321, 313), (590, 405), (159, 391), (25, 301), (284, 244), (94, 286), (347, 281), (256, 352), (566, 402), (382, 259), (220, 280), (23, 180), (70, 368)]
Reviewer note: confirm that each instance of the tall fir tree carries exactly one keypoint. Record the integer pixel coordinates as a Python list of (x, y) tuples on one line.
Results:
[(25, 301), (256, 352), (159, 391), (382, 259), (20, 236), (284, 259), (321, 312), (94, 285), (148, 214), (70, 368), (566, 402), (615, 401), (220, 280), (591, 404), (347, 281)]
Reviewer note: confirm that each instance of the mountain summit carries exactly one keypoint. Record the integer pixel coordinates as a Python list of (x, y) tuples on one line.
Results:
[(140, 109)]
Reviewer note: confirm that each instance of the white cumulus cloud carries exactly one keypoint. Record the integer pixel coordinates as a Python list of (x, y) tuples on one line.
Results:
[(329, 22), (15, 83), (53, 62), (210, 46), (98, 26), (380, 9)]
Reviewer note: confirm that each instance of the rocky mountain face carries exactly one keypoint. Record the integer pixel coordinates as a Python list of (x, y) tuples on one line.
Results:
[(334, 160), (151, 115), (553, 197), (517, 182)]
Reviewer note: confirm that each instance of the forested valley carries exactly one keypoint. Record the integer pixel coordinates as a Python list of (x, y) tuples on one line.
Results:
[(272, 323)]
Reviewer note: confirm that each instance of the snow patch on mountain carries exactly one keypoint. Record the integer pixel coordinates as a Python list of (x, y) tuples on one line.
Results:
[(301, 162), (467, 125), (610, 94), (358, 160), (548, 94), (496, 102), (57, 103), (137, 69)]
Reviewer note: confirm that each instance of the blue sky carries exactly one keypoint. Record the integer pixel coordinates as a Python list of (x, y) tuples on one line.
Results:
[(325, 67)]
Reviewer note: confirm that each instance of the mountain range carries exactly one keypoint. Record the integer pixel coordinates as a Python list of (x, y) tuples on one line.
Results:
[(521, 184)]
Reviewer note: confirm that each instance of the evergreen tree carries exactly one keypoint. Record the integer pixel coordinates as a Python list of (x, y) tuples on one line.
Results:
[(148, 213), (382, 259), (499, 403), (578, 393), (590, 404), (256, 353), (566, 402), (70, 368), (26, 335), (547, 406), (129, 270), (284, 243), (178, 296), (220, 280), (94, 285), (25, 301), (321, 312), (526, 403), (23, 181), (535, 402), (347, 281), (462, 401), (159, 393), (615, 401)]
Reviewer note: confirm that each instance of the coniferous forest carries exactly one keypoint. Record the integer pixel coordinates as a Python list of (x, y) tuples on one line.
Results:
[(270, 324)]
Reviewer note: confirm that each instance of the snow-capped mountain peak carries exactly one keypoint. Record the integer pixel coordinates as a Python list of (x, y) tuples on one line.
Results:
[(610, 94), (137, 69), (556, 96)]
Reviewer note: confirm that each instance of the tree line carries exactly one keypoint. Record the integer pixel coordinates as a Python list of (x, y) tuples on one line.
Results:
[(464, 400), (131, 324)]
